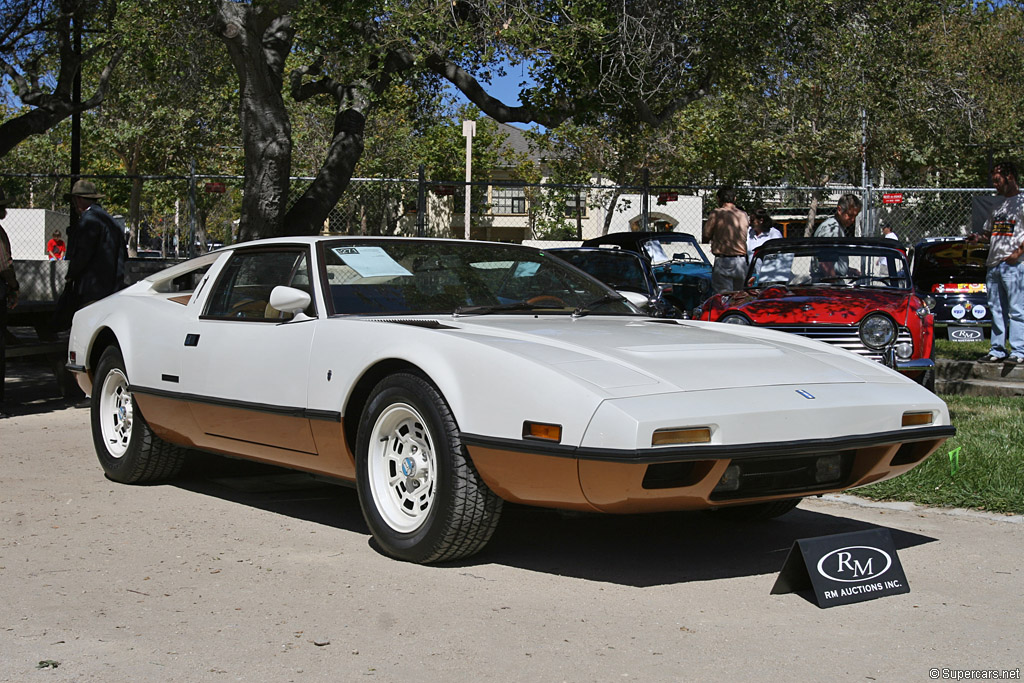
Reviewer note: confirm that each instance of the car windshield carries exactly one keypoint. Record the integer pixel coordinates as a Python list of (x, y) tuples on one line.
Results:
[(375, 276), (951, 261), (621, 270), (830, 266), (666, 248)]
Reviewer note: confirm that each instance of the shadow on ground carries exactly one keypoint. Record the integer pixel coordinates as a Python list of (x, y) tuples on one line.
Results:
[(31, 388), (631, 550)]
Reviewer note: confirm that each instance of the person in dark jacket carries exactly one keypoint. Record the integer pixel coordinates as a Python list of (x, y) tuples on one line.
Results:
[(8, 295), (97, 254)]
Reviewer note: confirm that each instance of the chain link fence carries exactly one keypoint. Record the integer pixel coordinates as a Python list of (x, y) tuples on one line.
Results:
[(179, 216)]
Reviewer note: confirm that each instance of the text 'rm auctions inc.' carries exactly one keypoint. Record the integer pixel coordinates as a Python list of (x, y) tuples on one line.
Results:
[(974, 674)]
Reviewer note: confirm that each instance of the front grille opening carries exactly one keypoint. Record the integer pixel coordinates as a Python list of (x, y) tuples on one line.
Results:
[(770, 476), (910, 453), (671, 475)]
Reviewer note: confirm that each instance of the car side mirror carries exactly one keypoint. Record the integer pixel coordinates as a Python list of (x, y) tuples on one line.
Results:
[(289, 300)]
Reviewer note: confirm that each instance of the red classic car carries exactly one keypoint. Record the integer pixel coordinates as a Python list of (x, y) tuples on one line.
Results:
[(851, 293)]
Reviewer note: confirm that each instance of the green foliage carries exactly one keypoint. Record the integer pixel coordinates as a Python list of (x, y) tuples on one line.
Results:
[(985, 472)]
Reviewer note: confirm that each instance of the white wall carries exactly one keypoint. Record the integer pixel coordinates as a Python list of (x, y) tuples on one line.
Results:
[(30, 229)]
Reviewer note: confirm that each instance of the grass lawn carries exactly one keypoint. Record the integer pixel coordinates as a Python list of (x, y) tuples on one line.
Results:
[(951, 350), (981, 467)]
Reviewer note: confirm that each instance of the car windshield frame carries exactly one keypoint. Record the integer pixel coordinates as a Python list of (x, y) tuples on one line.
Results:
[(603, 260), (655, 248), (830, 265), (430, 277)]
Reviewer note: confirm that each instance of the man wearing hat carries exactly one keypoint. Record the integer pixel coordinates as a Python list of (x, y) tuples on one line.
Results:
[(96, 254), (8, 295)]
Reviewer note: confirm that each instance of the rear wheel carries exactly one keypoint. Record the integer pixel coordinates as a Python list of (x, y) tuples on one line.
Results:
[(757, 511), (420, 493), (127, 448)]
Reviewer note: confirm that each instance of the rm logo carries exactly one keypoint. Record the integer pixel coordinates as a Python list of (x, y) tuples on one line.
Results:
[(855, 563)]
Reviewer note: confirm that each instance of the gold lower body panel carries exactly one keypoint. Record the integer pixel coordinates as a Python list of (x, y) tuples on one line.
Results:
[(316, 446), (618, 487)]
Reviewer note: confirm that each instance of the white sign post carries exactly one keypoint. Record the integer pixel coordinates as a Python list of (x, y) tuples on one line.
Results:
[(469, 130)]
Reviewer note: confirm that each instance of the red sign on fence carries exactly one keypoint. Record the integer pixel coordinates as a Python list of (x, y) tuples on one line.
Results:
[(892, 198), (665, 197), (217, 188)]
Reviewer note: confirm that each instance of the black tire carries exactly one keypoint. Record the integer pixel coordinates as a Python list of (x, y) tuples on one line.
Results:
[(928, 379), (756, 511), (128, 450), (420, 493)]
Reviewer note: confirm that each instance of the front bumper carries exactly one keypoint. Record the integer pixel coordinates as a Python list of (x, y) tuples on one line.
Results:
[(691, 477)]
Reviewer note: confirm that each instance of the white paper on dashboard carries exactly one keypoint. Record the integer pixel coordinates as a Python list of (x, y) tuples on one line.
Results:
[(370, 261)]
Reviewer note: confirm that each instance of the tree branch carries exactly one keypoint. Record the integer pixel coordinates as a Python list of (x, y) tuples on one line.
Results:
[(493, 107)]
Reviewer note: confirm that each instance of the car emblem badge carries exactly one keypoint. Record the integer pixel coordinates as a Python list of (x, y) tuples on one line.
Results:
[(408, 467), (806, 394), (807, 307)]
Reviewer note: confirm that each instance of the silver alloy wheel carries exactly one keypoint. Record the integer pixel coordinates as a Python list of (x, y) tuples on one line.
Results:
[(116, 413), (402, 468)]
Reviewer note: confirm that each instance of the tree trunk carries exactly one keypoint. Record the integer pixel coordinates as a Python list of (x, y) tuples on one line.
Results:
[(134, 216), (258, 44), (310, 211)]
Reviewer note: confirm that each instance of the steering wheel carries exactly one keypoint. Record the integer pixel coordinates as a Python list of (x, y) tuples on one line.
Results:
[(547, 299)]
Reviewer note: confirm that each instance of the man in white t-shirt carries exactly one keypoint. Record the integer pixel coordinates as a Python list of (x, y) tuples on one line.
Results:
[(761, 230), (1004, 230)]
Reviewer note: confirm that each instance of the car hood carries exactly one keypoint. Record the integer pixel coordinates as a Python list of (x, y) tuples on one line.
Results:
[(626, 356), (821, 304)]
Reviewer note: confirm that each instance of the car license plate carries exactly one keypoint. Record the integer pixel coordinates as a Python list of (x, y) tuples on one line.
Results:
[(966, 334)]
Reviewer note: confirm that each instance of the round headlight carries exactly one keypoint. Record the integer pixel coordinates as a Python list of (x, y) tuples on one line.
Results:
[(929, 301), (979, 311), (904, 350), (877, 331), (735, 319)]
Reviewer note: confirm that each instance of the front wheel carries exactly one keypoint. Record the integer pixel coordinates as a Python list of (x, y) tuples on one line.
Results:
[(420, 493), (127, 448)]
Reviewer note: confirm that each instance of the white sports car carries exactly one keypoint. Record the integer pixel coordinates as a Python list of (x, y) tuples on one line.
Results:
[(444, 377)]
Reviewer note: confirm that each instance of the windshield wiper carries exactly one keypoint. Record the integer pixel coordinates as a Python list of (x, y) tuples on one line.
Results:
[(586, 308), (498, 308)]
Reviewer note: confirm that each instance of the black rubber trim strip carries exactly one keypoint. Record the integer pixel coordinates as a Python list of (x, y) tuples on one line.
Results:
[(309, 414), (712, 452), (74, 368)]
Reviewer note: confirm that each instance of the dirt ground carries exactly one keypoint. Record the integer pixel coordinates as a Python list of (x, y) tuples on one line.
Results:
[(239, 572)]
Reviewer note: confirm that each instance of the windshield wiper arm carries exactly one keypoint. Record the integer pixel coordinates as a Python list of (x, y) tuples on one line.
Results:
[(586, 308), (498, 308)]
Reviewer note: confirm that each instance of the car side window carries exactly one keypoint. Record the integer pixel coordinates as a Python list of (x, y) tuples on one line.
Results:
[(243, 289)]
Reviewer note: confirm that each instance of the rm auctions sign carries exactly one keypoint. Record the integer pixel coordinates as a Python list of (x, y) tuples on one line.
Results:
[(844, 568)]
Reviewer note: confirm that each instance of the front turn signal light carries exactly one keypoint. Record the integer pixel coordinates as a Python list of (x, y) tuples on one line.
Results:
[(917, 419), (540, 430), (671, 437)]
